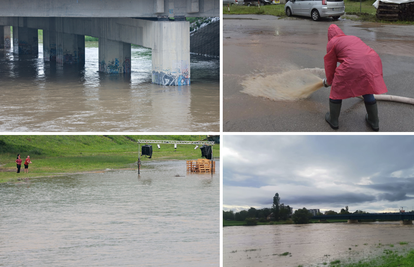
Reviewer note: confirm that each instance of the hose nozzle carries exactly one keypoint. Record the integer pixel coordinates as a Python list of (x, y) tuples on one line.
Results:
[(325, 83)]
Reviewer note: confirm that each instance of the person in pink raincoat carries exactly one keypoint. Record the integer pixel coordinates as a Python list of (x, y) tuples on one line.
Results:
[(359, 74)]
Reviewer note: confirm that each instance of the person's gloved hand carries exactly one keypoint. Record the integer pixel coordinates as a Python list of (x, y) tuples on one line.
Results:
[(325, 83)]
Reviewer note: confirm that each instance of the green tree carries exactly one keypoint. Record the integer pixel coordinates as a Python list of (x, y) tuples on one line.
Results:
[(284, 212), (241, 216), (251, 213), (228, 215), (301, 216), (251, 221), (275, 208), (331, 212)]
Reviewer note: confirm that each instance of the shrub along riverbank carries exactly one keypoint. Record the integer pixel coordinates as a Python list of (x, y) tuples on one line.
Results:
[(52, 155), (367, 12)]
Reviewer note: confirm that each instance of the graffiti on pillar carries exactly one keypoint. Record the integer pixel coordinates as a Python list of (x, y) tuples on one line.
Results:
[(112, 67), (169, 79), (127, 65), (52, 52), (7, 42)]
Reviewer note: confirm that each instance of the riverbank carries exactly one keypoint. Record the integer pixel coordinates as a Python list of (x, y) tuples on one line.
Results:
[(243, 223), (58, 155), (353, 11)]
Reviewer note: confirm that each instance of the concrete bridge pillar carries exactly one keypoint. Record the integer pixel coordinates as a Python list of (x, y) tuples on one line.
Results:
[(70, 48), (171, 53), (5, 37), (25, 41), (49, 46), (406, 222), (352, 221), (114, 56)]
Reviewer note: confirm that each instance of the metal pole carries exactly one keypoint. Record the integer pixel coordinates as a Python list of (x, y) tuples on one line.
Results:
[(139, 158), (212, 158)]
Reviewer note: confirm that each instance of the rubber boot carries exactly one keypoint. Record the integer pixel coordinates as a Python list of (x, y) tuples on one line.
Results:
[(332, 116), (372, 115)]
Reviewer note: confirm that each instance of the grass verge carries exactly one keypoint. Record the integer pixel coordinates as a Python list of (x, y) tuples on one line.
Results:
[(52, 155)]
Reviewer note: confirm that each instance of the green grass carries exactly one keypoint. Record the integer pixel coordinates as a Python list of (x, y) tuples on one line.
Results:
[(52, 155), (388, 259), (365, 12)]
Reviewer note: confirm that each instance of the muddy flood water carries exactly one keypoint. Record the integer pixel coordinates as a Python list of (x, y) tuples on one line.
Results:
[(112, 219), (312, 244), (38, 96)]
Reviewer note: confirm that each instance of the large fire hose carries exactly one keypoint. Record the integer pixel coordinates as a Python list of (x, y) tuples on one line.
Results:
[(393, 98)]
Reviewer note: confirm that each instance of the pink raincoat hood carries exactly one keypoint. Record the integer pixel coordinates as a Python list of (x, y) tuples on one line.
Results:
[(334, 31), (360, 71)]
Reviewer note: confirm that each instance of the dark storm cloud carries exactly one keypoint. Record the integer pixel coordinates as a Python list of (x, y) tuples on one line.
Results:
[(350, 198), (319, 170)]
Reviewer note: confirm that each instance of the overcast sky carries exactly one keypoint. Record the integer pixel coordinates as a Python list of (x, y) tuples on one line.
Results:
[(370, 173)]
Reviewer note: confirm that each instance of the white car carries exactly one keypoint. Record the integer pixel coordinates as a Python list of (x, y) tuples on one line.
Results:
[(315, 9)]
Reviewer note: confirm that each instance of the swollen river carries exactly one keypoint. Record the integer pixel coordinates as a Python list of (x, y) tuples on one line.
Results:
[(312, 244), (42, 97), (113, 219)]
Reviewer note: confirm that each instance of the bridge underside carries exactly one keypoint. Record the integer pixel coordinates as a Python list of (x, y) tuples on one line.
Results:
[(110, 8), (64, 43)]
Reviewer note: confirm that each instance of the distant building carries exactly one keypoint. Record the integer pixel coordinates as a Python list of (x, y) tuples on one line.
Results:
[(314, 212)]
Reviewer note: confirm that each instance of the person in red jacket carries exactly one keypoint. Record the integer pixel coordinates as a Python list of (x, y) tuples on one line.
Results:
[(359, 74), (19, 163), (26, 164)]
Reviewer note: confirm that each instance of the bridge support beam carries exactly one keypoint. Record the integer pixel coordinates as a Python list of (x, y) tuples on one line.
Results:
[(352, 221), (49, 46), (25, 41), (114, 56), (406, 222), (5, 37), (70, 48), (171, 53)]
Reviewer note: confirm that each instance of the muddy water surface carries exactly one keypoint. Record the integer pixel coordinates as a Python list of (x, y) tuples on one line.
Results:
[(38, 96), (312, 244), (112, 219)]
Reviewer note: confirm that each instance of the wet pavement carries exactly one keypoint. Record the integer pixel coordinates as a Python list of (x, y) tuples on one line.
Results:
[(265, 45)]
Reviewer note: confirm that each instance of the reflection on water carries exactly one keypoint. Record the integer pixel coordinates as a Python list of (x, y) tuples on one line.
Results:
[(38, 96), (311, 244), (112, 219)]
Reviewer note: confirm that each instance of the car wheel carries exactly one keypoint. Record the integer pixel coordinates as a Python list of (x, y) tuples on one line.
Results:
[(336, 17), (288, 12), (315, 15)]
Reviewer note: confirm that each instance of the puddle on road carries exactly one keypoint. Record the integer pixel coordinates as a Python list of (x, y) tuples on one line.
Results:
[(290, 85)]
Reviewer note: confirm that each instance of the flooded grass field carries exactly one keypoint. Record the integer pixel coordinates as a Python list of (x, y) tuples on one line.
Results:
[(112, 219), (312, 244)]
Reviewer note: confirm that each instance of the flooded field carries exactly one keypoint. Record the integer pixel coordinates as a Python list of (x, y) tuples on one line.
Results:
[(38, 96), (312, 244), (112, 219)]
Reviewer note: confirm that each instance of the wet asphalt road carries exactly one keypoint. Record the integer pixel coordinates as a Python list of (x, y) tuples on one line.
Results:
[(266, 45)]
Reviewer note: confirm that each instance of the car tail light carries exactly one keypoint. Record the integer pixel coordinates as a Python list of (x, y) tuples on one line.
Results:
[(323, 2)]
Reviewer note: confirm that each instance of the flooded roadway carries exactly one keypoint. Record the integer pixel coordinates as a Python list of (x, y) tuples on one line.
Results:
[(312, 244), (256, 46), (42, 97), (113, 219)]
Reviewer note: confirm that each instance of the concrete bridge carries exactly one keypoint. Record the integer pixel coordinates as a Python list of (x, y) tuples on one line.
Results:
[(159, 25), (403, 217)]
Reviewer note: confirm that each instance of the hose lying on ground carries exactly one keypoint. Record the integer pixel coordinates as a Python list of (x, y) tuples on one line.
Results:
[(394, 98)]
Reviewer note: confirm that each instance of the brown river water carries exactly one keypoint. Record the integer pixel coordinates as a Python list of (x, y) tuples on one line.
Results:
[(113, 219), (312, 244), (42, 97)]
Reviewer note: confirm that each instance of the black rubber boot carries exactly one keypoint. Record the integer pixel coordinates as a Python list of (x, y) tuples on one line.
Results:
[(372, 115), (332, 116)]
